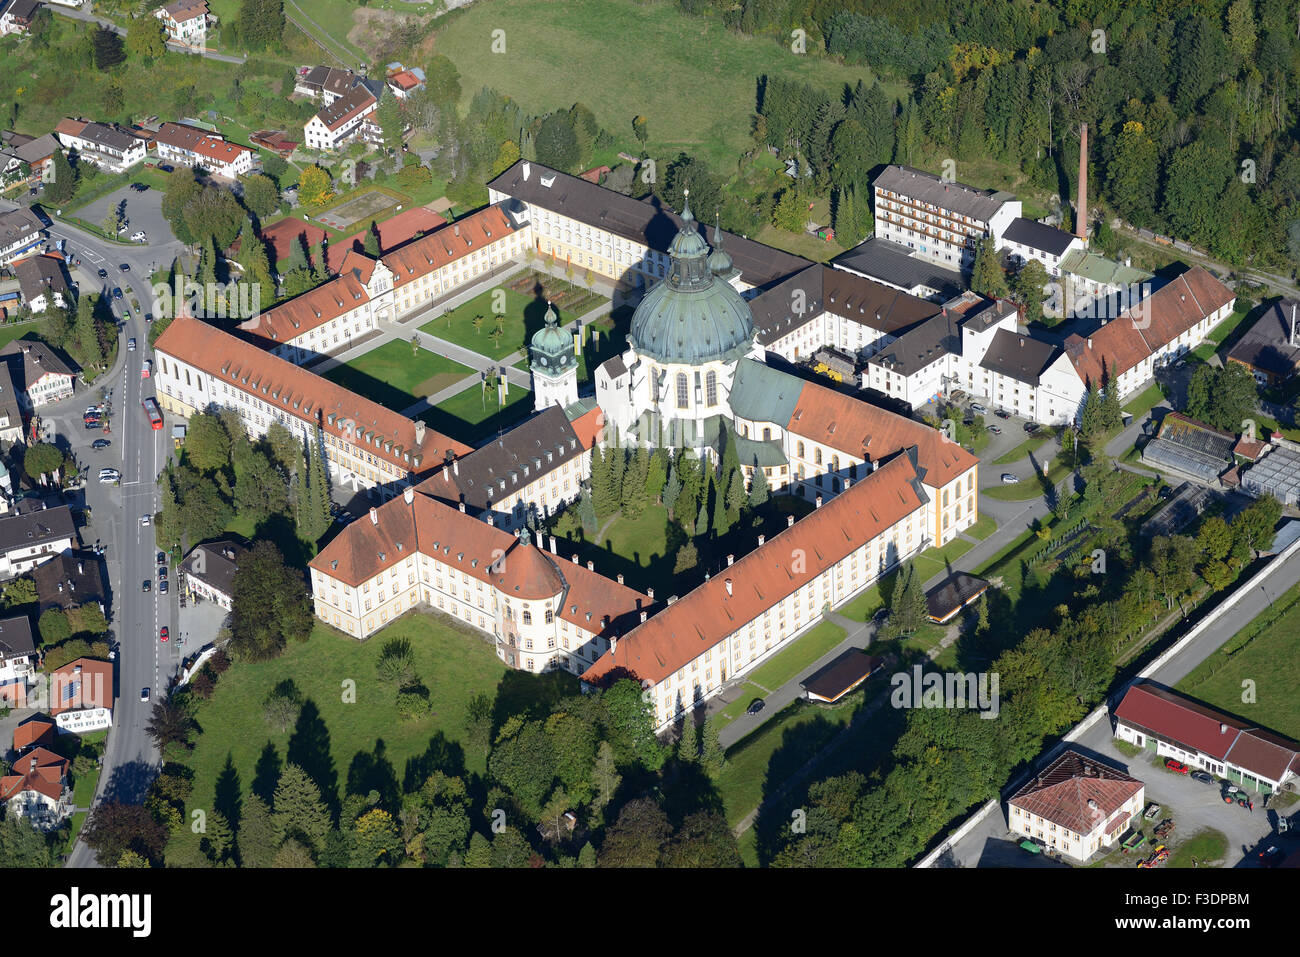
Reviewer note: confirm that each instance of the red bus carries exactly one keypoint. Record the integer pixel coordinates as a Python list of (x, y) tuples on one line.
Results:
[(151, 410)]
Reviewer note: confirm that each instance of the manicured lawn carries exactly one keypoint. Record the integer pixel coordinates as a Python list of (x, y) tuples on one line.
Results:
[(522, 317), (782, 667), (78, 819), (1207, 845), (8, 333), (865, 605), (1021, 451), (1266, 652), (983, 528), (1029, 488), (472, 415), (748, 692), (393, 377), (797, 733), (934, 561), (691, 78), (339, 732), (1144, 401), (83, 792), (1219, 334)]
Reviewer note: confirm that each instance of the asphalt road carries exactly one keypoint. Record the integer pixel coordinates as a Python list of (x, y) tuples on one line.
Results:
[(130, 759)]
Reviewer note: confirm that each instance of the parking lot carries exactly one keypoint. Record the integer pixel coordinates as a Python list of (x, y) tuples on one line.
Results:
[(144, 210), (1011, 432)]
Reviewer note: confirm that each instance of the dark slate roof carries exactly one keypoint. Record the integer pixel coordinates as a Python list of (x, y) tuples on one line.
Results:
[(18, 224), (842, 675), (919, 347), (24, 531), (979, 204), (1267, 344), (40, 274), (70, 579), (890, 262), (218, 562), (774, 309), (539, 445), (645, 222), (1018, 356), (23, 9), (29, 360), (16, 637), (947, 598), (9, 396), (1038, 235)]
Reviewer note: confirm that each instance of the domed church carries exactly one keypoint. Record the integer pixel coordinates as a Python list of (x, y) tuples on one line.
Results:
[(672, 386)]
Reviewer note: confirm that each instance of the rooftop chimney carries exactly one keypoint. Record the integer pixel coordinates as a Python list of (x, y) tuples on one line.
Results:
[(539, 539), (671, 599), (462, 507), (643, 616), (419, 433), (374, 516), (761, 540), (455, 466), (789, 521), (1081, 220), (528, 168), (731, 559), (553, 545), (408, 495), (650, 593), (491, 519), (591, 566), (819, 501), (620, 578), (575, 559)]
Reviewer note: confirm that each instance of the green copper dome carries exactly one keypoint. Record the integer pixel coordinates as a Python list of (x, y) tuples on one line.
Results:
[(692, 317), (552, 348)]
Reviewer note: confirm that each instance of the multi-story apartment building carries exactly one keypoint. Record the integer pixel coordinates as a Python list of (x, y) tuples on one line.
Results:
[(542, 611), (331, 316), (1026, 239), (616, 236), (31, 538), (347, 118), (189, 146), (753, 608), (110, 147), (366, 446), (18, 661), (325, 83), (39, 375), (21, 233), (1076, 805), (185, 22), (940, 219)]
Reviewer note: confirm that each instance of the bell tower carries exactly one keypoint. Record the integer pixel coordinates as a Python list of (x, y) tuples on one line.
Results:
[(553, 362)]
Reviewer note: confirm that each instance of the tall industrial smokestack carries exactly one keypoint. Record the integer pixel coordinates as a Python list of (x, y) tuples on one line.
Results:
[(1081, 222)]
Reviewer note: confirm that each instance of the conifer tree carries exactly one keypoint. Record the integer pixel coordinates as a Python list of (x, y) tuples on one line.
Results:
[(617, 457), (702, 520), (688, 747), (759, 490), (672, 489), (712, 759), (736, 497)]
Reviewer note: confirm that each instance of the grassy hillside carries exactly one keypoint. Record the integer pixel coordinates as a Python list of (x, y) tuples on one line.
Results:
[(692, 79)]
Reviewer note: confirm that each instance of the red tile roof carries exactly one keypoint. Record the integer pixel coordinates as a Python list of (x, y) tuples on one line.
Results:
[(183, 10), (80, 684), (1062, 793), (393, 232), (1150, 325), (308, 397), (395, 530), (1197, 727), (590, 427), (702, 619), (210, 147), (404, 79), (34, 731), (302, 314), (445, 245), (70, 127), (40, 770), (866, 431)]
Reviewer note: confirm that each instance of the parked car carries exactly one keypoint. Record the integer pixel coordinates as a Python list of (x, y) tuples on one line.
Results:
[(1203, 777), (162, 558), (109, 475), (139, 237), (162, 633), (755, 706), (1031, 427), (1176, 766), (162, 587), (162, 572), (1002, 414), (1009, 479), (994, 429), (1271, 856), (100, 444), (117, 293), (146, 370), (144, 520), (126, 267), (166, 167), (978, 409)]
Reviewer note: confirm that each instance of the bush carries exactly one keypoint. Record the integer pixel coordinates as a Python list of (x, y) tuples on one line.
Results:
[(396, 663), (413, 701)]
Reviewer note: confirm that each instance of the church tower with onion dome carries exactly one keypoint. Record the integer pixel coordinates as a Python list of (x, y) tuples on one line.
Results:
[(672, 385), (553, 362)]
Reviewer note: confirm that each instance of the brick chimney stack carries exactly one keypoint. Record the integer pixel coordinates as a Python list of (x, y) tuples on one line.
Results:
[(1081, 222)]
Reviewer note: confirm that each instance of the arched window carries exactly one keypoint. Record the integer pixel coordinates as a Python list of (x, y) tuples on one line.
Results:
[(817, 456), (835, 467), (945, 498), (767, 434), (945, 520), (682, 390), (528, 618), (800, 453)]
